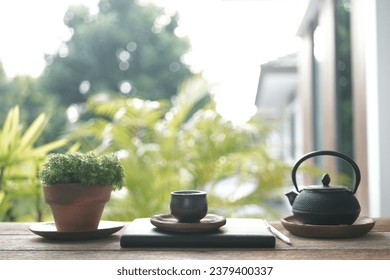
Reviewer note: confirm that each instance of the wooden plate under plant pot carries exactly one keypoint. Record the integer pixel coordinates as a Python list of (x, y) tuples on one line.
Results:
[(77, 207), (49, 231)]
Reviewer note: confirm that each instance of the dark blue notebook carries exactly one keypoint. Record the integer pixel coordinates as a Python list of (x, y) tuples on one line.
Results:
[(237, 233)]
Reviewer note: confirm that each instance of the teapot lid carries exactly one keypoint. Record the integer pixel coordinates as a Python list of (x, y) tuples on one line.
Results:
[(325, 185)]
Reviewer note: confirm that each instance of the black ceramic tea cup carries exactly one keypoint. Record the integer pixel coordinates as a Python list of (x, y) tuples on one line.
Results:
[(189, 206)]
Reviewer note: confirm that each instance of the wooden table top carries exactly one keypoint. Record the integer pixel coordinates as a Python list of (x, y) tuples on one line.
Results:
[(18, 243)]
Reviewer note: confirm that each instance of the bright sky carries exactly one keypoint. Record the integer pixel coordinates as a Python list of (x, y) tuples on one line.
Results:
[(230, 39)]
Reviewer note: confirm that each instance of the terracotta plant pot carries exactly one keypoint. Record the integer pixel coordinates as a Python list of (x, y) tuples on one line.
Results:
[(77, 207)]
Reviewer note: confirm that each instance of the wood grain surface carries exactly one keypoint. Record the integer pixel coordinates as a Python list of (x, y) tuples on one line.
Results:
[(18, 243)]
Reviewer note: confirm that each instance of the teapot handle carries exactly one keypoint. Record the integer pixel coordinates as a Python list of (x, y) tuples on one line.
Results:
[(327, 153)]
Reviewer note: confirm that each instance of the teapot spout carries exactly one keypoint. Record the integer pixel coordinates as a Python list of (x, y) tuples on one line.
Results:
[(291, 197)]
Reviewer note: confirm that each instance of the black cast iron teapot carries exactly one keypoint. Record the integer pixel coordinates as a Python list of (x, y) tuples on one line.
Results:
[(325, 205)]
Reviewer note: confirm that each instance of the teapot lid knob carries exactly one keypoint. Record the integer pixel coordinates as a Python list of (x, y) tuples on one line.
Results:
[(325, 180)]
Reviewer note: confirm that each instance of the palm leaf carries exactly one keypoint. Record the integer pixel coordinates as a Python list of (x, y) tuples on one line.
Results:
[(9, 132), (41, 151), (33, 132)]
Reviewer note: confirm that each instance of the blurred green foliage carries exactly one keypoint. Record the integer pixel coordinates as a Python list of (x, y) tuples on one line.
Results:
[(20, 159), (128, 48), (28, 95), (165, 148), (166, 141), (162, 146)]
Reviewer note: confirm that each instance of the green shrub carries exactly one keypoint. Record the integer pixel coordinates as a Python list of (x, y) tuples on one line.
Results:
[(87, 169)]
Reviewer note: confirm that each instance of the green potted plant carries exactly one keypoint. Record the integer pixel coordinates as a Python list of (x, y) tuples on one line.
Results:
[(77, 186)]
